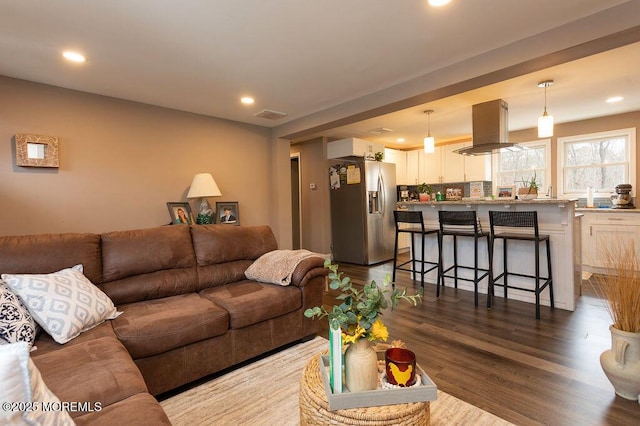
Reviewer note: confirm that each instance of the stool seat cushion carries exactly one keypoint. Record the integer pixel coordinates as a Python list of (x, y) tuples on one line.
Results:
[(516, 236), (418, 230)]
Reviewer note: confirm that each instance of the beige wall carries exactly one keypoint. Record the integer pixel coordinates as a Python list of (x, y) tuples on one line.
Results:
[(121, 161), (315, 213)]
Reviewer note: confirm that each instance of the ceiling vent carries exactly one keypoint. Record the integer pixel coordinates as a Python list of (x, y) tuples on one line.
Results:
[(380, 130), (270, 114)]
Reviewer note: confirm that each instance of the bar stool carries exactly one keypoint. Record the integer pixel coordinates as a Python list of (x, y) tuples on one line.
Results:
[(461, 224), (415, 227), (526, 219)]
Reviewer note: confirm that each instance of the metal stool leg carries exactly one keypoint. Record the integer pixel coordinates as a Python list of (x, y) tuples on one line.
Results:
[(440, 266), (475, 270), (395, 260), (504, 256), (537, 266), (455, 262), (550, 274), (422, 262)]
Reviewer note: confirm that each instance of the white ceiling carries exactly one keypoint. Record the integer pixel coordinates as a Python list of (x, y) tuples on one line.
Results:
[(579, 92), (305, 56)]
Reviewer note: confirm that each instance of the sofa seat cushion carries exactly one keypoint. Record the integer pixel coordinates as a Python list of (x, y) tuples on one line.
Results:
[(155, 326), (141, 410), (250, 302), (45, 343), (96, 371)]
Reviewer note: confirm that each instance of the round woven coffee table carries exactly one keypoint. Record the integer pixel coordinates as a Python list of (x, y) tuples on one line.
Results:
[(314, 407)]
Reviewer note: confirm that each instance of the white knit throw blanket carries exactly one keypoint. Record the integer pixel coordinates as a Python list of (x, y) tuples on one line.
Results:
[(277, 266)]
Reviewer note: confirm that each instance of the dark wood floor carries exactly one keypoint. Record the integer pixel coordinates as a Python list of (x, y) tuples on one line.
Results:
[(504, 361)]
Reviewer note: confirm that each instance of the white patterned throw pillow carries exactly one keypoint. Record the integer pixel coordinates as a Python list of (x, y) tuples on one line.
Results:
[(16, 323), (64, 303)]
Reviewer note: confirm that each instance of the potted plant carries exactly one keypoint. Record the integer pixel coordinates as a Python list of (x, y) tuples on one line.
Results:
[(425, 190), (620, 288), (528, 188), (378, 156), (359, 318)]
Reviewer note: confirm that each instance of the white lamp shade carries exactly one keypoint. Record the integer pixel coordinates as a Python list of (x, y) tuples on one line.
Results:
[(203, 185), (545, 126), (429, 145)]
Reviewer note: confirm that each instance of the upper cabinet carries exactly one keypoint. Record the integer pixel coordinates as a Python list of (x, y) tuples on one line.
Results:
[(443, 166), (430, 166), (452, 164), (399, 158), (413, 167), (353, 147), (477, 167), (446, 166)]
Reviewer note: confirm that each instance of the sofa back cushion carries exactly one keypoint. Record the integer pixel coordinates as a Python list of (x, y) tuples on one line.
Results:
[(47, 253), (224, 252), (145, 264)]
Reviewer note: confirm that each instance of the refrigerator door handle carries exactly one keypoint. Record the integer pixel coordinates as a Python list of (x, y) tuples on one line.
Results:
[(383, 195)]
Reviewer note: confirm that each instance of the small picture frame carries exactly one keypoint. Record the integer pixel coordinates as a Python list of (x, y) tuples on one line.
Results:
[(36, 150), (180, 213), (506, 192), (227, 213)]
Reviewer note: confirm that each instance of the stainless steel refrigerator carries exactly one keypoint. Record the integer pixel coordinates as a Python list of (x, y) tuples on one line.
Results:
[(363, 198)]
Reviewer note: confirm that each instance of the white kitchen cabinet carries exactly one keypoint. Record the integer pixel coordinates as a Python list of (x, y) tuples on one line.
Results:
[(476, 167), (603, 231), (399, 158), (430, 166), (446, 166), (413, 167), (352, 147), (452, 168)]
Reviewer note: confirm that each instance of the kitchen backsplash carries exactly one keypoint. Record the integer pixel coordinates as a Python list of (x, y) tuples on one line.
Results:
[(412, 190)]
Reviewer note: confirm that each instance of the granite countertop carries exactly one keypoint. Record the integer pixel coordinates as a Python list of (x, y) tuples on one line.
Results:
[(492, 201), (605, 210)]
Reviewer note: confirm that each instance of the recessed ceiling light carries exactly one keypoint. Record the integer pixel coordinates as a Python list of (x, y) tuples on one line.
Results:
[(438, 3), (400, 140), (614, 99), (74, 56), (247, 100)]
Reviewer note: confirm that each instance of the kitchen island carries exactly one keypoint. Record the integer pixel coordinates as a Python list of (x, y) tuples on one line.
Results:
[(556, 218)]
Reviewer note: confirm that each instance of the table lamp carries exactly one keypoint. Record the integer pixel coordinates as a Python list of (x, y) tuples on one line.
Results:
[(204, 186)]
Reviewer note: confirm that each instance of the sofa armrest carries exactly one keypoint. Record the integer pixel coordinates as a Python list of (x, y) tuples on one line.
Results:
[(307, 269)]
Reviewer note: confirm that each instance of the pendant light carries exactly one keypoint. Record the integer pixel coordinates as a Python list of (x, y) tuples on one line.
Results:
[(429, 141), (545, 121)]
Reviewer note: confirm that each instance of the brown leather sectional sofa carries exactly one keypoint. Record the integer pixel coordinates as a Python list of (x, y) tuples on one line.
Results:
[(188, 311)]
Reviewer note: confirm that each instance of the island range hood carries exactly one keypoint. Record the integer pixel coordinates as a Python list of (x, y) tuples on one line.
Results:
[(490, 129)]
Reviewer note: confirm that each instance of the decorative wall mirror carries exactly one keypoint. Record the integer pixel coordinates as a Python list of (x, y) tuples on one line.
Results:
[(36, 150)]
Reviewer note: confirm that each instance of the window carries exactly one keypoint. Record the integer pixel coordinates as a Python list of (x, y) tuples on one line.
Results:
[(514, 167), (598, 160)]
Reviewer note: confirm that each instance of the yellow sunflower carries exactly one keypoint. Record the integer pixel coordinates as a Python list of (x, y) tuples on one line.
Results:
[(379, 331)]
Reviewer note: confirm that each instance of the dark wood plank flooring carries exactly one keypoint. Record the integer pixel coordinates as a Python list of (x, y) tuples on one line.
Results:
[(504, 361)]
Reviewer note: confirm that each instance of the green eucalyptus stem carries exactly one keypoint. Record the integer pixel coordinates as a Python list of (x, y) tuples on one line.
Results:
[(360, 307)]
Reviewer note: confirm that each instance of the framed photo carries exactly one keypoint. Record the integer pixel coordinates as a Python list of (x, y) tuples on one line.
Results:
[(227, 213), (180, 213), (506, 192)]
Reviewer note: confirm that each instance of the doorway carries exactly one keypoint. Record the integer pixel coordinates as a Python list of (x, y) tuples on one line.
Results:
[(296, 222)]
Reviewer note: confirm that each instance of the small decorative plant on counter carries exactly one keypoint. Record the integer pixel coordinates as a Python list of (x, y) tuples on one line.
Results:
[(425, 190), (359, 319), (528, 188)]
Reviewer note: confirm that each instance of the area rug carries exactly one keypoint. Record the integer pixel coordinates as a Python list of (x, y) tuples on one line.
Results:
[(265, 392)]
